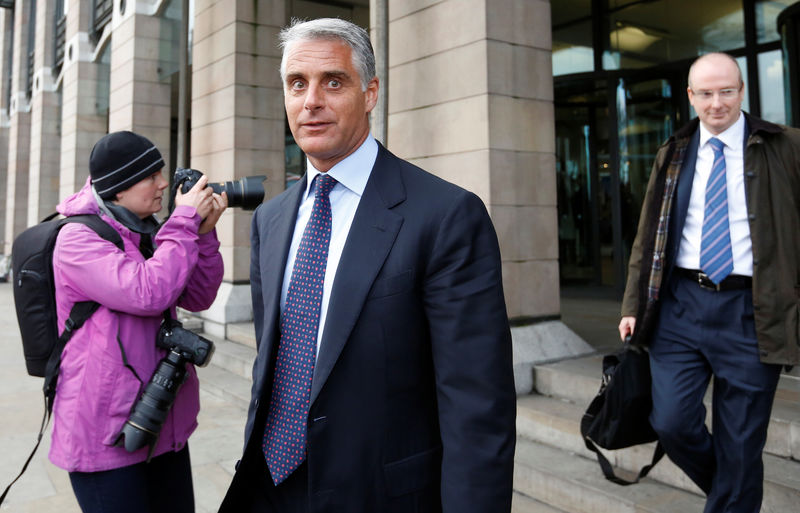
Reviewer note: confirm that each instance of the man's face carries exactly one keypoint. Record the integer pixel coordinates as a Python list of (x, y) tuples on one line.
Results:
[(716, 93), (144, 197), (325, 106)]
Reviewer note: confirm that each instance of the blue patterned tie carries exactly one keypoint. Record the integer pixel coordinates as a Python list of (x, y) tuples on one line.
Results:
[(285, 434), (716, 257)]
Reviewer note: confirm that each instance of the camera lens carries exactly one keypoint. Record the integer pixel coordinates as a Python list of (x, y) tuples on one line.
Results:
[(150, 411), (247, 192)]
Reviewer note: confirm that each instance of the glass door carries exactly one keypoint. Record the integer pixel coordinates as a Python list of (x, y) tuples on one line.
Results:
[(607, 134), (579, 119)]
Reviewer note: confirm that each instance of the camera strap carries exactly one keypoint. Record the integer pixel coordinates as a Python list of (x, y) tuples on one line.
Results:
[(45, 421)]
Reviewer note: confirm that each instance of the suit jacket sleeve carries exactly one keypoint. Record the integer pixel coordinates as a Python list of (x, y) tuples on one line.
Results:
[(471, 345)]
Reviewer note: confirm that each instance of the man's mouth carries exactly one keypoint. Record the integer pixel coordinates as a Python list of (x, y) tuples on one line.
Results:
[(312, 125)]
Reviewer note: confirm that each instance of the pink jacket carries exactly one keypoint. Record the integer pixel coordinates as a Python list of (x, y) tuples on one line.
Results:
[(95, 390)]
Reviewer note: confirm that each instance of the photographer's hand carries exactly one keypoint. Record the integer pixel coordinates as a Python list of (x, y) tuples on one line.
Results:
[(199, 197), (219, 204)]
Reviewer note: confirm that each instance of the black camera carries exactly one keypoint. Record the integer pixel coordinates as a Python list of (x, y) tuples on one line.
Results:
[(247, 192), (150, 411)]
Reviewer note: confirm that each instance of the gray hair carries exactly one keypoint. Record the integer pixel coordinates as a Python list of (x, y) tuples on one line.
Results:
[(332, 29)]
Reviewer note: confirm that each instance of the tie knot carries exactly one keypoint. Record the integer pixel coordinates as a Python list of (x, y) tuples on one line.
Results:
[(716, 144), (325, 183)]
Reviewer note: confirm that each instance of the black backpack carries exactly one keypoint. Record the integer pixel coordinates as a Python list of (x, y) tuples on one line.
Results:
[(34, 290), (35, 302)]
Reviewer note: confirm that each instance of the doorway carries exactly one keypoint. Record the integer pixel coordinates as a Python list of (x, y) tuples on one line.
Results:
[(607, 132)]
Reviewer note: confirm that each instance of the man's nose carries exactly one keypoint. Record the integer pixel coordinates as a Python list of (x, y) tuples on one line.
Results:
[(315, 98)]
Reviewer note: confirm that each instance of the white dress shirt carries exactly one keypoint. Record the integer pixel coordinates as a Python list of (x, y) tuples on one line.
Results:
[(352, 174), (689, 252)]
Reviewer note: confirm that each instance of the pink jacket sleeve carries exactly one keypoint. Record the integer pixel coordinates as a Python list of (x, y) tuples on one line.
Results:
[(182, 265)]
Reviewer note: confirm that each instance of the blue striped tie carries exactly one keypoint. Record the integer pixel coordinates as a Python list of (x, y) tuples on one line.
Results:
[(716, 257)]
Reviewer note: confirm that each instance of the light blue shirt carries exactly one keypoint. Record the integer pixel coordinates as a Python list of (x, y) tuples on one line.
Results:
[(352, 174)]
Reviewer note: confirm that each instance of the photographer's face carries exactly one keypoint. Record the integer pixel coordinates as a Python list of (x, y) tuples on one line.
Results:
[(144, 197), (328, 112)]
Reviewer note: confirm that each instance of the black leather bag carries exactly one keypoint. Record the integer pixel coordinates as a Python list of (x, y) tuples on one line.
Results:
[(618, 417)]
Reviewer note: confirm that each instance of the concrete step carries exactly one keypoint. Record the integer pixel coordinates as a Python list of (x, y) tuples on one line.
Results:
[(571, 483), (556, 423), (233, 357), (225, 385), (523, 504), (578, 381), (242, 332)]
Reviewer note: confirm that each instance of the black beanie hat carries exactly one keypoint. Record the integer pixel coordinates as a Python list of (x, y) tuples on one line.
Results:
[(119, 160)]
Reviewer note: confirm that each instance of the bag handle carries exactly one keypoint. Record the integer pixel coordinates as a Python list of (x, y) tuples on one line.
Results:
[(608, 471)]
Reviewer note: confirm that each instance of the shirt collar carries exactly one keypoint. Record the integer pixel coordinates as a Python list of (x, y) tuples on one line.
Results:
[(732, 137), (352, 172)]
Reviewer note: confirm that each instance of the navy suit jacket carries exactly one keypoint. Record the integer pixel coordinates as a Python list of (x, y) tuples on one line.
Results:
[(413, 402)]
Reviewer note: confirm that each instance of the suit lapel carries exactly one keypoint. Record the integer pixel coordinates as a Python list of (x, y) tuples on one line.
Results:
[(276, 240), (369, 242), (683, 195)]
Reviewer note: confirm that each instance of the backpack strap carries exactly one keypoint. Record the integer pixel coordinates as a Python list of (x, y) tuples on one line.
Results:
[(80, 311), (96, 223), (77, 316)]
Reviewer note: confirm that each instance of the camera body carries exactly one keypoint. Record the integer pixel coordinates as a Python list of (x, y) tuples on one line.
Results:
[(151, 409), (192, 347), (247, 192)]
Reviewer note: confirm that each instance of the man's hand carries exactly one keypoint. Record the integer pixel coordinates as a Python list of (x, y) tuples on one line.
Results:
[(626, 327)]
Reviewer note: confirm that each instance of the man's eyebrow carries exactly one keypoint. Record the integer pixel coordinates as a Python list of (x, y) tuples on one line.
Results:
[(291, 76), (337, 73), (334, 73)]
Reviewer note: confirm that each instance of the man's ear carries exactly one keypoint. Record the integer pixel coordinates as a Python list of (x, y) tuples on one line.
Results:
[(371, 94)]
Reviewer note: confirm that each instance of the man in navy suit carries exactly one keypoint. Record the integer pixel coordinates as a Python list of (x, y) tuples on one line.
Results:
[(713, 284), (407, 403)]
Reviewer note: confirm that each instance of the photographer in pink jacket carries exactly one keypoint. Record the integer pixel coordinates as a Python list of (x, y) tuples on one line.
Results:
[(108, 362)]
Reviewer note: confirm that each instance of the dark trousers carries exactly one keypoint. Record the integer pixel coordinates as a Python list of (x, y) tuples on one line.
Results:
[(163, 485), (254, 492), (703, 334)]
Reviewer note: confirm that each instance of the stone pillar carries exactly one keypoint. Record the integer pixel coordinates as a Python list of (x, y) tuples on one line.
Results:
[(471, 100), (237, 125), (138, 99), (19, 133), (6, 30), (45, 121), (81, 123)]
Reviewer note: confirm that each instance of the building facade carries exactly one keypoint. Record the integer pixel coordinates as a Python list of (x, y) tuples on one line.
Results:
[(200, 79), (550, 111)]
